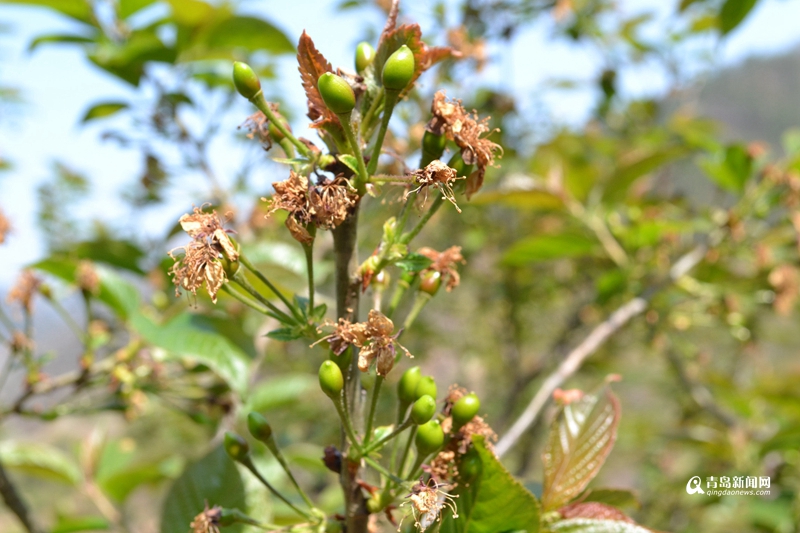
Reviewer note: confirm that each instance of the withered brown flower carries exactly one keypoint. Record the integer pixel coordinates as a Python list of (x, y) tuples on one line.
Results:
[(86, 278), (785, 279), (201, 260), (445, 264), (325, 205), (451, 119), (373, 337), (207, 521), (5, 227), (438, 175), (24, 289), (427, 500), (257, 126)]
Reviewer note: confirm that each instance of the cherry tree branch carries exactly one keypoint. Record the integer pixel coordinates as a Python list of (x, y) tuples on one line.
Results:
[(598, 336)]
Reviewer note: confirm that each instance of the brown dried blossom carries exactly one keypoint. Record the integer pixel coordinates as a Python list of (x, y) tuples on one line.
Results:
[(86, 278), (207, 521), (475, 49), (427, 500), (24, 289), (326, 205), (445, 264), (5, 227), (257, 126), (438, 175), (786, 281), (373, 337), (451, 119), (201, 260)]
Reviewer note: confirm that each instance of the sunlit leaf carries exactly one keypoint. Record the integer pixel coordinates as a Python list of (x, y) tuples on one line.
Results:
[(58, 38), (191, 337), (732, 14), (590, 525), (213, 480), (40, 460), (730, 169), (615, 497), (580, 439), (80, 10), (280, 392), (103, 110), (74, 524), (250, 34), (532, 199), (129, 7), (548, 247), (492, 502)]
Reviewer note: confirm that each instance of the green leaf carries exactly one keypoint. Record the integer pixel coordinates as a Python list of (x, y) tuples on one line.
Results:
[(39, 460), (533, 199), (80, 10), (615, 497), (732, 14), (280, 392), (58, 38), (129, 7), (548, 247), (215, 480), (73, 524), (350, 162), (285, 334), (191, 336), (580, 439), (730, 169), (494, 502), (629, 172), (414, 262), (250, 34), (593, 525), (103, 110)]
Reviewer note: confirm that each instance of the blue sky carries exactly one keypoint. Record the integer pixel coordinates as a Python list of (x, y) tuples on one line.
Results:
[(58, 85)]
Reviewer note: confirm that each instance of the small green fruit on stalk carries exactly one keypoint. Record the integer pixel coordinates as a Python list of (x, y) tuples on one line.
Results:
[(336, 93), (245, 80), (426, 385), (365, 55), (259, 427), (407, 386), (430, 438), (465, 410), (432, 147), (423, 410), (236, 447), (430, 282), (331, 380), (398, 69)]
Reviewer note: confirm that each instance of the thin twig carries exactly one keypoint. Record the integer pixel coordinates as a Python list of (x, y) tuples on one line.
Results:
[(588, 346), (14, 502)]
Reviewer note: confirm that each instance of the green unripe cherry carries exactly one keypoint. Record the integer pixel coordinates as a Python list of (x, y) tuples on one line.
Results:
[(423, 410), (337, 93), (399, 69), (407, 386), (432, 147), (365, 54), (245, 80), (236, 447), (330, 379), (430, 438), (426, 385), (465, 409), (430, 282), (259, 427)]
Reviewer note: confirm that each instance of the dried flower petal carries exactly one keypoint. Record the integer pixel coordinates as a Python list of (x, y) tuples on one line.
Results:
[(451, 119), (439, 175), (24, 290), (5, 227), (86, 278), (207, 521), (200, 264), (427, 501), (445, 264)]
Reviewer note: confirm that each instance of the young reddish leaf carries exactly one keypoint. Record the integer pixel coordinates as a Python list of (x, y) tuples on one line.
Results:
[(581, 437), (312, 65), (410, 35), (593, 510), (595, 525)]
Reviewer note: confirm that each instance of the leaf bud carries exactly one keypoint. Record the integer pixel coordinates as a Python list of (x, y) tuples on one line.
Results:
[(236, 447)]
